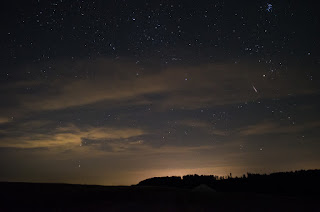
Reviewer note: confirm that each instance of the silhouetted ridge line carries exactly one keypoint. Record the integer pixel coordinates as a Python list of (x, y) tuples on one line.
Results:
[(302, 182)]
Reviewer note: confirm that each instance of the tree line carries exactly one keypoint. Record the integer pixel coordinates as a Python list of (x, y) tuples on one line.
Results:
[(302, 182)]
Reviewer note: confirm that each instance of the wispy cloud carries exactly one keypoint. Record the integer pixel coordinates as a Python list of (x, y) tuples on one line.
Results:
[(269, 127), (179, 86), (4, 120), (30, 135)]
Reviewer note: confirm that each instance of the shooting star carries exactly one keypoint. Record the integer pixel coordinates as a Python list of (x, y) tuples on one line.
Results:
[(254, 88)]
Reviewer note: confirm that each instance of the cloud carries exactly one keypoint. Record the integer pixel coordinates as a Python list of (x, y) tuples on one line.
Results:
[(194, 123), (114, 145), (38, 134), (4, 120), (109, 84), (268, 127), (116, 82), (206, 126)]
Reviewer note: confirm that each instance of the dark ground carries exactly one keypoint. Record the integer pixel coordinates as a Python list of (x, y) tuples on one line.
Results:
[(65, 197)]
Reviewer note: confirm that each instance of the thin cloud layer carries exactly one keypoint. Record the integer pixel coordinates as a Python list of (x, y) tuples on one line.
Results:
[(30, 135), (147, 117), (268, 127), (178, 86)]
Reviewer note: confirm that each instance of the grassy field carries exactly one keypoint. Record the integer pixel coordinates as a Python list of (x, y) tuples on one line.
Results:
[(65, 197)]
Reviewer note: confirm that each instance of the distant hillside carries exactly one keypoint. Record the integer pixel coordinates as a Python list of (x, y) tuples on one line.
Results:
[(290, 191), (298, 182)]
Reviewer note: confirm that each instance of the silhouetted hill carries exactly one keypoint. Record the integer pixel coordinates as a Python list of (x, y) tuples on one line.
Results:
[(303, 182), (289, 191)]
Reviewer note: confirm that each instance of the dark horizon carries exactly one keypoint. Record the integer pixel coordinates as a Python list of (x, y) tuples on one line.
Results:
[(276, 192), (224, 177)]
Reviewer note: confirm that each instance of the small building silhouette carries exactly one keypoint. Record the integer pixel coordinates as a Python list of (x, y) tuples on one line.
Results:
[(203, 188)]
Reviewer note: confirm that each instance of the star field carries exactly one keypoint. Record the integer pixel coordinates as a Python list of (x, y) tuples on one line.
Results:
[(112, 92)]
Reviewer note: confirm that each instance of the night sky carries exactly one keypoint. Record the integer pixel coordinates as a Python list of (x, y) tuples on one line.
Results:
[(112, 92)]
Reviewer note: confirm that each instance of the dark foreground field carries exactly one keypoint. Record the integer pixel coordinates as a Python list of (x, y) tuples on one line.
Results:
[(64, 197)]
